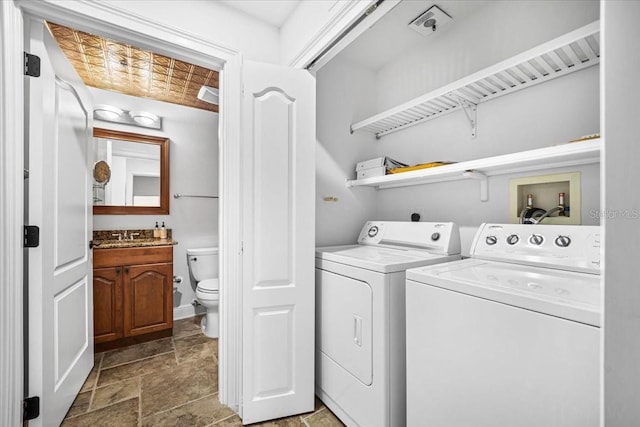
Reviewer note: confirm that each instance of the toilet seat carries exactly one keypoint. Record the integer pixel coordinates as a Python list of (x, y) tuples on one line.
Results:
[(209, 286)]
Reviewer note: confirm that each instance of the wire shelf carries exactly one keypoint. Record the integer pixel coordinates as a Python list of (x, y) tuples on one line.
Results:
[(571, 52)]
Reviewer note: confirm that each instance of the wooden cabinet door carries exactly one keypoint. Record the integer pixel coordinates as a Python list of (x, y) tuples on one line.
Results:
[(107, 304), (148, 298)]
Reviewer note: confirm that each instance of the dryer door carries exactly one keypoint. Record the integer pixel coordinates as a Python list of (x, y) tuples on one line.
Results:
[(344, 322)]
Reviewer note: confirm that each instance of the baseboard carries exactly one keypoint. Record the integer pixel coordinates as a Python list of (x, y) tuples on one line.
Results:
[(186, 311)]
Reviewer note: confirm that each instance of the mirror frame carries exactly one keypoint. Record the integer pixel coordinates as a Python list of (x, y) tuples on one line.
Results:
[(163, 209)]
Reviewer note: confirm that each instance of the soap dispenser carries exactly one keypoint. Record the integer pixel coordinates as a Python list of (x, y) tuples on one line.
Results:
[(156, 232), (163, 232)]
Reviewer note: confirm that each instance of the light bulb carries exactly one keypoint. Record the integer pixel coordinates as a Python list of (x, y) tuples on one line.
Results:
[(107, 112), (143, 118)]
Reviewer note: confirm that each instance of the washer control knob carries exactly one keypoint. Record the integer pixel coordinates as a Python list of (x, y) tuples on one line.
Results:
[(373, 231), (513, 239), (435, 236), (536, 239), (491, 240), (563, 241)]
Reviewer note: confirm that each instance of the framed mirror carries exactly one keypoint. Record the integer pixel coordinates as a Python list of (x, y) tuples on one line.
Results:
[(131, 173)]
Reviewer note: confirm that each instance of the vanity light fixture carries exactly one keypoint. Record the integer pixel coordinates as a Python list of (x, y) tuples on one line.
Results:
[(107, 112), (143, 119)]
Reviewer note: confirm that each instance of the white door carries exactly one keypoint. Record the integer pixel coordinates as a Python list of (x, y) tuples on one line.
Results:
[(278, 242), (60, 312)]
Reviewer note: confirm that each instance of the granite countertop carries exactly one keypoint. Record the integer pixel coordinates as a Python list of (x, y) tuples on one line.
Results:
[(108, 239), (111, 244)]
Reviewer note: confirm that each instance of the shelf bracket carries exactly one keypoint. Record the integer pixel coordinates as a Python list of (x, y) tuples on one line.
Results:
[(470, 110), (484, 187)]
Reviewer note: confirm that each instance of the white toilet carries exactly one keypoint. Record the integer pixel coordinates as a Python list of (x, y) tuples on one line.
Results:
[(203, 265)]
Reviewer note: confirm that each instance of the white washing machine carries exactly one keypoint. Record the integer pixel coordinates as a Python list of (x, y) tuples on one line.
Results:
[(360, 317), (510, 336)]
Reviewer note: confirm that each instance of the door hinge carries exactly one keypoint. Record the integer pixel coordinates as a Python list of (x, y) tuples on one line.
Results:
[(31, 65), (30, 408), (31, 236)]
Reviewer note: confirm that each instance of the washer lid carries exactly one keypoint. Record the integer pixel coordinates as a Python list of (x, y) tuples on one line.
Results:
[(566, 294), (209, 285), (381, 259)]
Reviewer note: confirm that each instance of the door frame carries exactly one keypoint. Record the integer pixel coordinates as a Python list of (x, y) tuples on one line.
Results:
[(110, 21), (11, 213)]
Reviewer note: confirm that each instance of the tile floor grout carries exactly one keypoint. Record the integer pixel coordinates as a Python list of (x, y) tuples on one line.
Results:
[(137, 360), (177, 406)]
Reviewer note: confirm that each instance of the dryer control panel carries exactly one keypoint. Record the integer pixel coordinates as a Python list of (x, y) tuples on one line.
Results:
[(436, 237), (565, 247)]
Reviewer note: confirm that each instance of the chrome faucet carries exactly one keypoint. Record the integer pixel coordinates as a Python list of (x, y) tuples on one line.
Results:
[(132, 235), (118, 235)]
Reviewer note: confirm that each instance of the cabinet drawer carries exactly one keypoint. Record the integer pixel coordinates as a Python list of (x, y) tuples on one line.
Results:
[(131, 256)]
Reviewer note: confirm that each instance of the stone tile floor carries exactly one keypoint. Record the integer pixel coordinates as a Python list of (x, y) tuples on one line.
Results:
[(167, 382)]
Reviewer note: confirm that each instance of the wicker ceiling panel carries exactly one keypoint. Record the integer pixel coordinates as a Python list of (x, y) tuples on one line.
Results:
[(110, 65)]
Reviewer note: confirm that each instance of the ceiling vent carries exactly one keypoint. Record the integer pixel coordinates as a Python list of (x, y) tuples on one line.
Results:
[(430, 21)]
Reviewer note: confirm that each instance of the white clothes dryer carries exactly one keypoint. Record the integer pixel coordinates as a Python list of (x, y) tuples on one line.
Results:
[(510, 336), (360, 317)]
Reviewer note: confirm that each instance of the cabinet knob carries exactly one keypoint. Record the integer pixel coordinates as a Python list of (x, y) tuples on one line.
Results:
[(126, 270), (118, 270)]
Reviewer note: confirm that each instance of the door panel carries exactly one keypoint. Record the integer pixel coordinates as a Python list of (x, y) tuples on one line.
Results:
[(71, 336), (60, 315), (147, 301), (274, 342), (273, 150), (107, 304), (278, 254), (71, 182)]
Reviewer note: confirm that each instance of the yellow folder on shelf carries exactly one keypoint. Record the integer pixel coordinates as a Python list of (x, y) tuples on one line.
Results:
[(420, 166)]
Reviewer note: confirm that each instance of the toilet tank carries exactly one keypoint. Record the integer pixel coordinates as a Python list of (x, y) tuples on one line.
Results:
[(203, 263)]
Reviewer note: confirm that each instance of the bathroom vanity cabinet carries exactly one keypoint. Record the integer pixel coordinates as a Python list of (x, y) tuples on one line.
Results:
[(132, 295)]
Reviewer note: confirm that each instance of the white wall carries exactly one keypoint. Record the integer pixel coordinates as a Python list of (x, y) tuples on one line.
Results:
[(543, 115), (193, 156), (213, 21), (621, 369), (343, 91)]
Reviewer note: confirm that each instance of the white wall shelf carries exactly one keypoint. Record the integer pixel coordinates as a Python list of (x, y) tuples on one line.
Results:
[(571, 52), (557, 156)]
